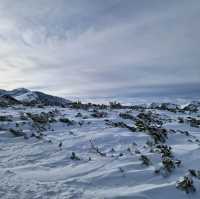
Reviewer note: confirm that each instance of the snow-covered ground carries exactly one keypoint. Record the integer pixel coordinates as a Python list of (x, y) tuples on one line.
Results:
[(107, 160)]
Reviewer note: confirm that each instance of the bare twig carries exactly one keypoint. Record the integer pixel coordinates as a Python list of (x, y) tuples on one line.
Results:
[(96, 149)]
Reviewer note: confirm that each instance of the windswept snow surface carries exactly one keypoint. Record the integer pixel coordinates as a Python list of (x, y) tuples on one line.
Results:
[(42, 168)]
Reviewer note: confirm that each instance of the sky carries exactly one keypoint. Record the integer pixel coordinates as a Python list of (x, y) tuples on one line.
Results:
[(101, 48)]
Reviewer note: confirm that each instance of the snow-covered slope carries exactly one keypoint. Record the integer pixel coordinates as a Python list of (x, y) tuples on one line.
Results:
[(27, 97), (58, 153)]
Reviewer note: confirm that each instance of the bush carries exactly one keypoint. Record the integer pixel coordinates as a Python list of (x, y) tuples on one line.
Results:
[(195, 173), (165, 150), (67, 121), (168, 166), (5, 118), (145, 160), (41, 118), (17, 133), (194, 122), (150, 118), (159, 135), (120, 125), (74, 156), (98, 114), (186, 184), (126, 116), (115, 105), (78, 115)]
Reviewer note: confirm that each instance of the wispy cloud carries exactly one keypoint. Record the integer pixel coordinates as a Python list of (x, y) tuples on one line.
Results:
[(97, 47)]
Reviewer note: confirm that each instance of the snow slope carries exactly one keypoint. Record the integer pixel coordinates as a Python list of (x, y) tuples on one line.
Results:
[(42, 168), (27, 97)]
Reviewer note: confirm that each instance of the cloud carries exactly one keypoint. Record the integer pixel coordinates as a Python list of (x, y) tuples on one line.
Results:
[(99, 47)]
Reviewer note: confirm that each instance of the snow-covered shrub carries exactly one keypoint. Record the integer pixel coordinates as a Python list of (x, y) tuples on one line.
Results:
[(159, 135), (74, 156), (186, 184), (180, 119), (78, 114), (67, 121), (120, 125), (23, 116), (168, 166), (42, 118), (126, 116), (5, 118), (150, 119), (145, 160), (98, 114), (115, 105), (17, 133), (165, 150), (194, 122), (195, 173)]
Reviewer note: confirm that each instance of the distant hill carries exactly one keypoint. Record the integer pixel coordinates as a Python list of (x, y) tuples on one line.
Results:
[(7, 100), (28, 97)]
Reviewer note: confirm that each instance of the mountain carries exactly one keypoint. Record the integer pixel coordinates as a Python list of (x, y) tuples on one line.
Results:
[(18, 92), (2, 92), (50, 100), (28, 97), (7, 100)]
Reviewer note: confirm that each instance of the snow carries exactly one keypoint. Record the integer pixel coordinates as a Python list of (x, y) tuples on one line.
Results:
[(39, 169), (27, 97)]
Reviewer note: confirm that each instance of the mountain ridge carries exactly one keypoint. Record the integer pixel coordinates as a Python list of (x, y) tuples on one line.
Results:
[(28, 97)]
